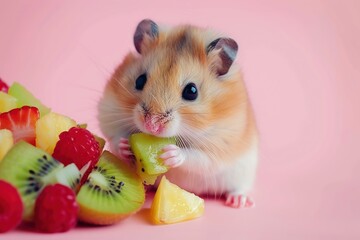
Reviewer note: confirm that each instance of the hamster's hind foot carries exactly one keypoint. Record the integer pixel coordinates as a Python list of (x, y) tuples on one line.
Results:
[(239, 201)]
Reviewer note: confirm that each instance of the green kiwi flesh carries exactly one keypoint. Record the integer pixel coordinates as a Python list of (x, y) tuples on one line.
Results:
[(30, 169), (112, 188), (147, 149)]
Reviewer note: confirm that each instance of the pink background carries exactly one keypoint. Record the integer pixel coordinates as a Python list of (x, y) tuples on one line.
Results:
[(301, 63)]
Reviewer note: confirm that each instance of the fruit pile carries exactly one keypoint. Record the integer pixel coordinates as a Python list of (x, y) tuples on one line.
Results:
[(54, 172)]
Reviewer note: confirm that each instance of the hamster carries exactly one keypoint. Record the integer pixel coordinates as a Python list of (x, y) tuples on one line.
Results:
[(182, 82)]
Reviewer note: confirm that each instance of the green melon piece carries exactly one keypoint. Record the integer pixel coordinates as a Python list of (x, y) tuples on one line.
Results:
[(7, 102), (26, 98), (146, 149), (30, 169)]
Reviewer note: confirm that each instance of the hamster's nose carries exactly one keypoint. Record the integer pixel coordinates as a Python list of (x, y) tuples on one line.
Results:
[(154, 124)]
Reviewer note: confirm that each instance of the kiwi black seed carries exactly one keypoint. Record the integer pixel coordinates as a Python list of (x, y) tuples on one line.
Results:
[(112, 183)]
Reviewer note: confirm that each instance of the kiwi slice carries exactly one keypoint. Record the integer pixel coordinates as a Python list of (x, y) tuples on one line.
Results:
[(30, 169), (146, 149), (111, 192)]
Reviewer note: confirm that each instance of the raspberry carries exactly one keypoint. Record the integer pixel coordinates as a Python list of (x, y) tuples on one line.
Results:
[(11, 207), (56, 209), (77, 146)]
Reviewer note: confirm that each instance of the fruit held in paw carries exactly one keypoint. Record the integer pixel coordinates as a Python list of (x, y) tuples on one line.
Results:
[(26, 98), (6, 142), (11, 207), (146, 149), (111, 193), (56, 209), (7, 102), (3, 86), (29, 169), (48, 129), (77, 146), (172, 204), (21, 122)]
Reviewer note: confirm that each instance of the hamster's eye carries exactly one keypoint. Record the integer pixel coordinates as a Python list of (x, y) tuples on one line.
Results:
[(140, 82), (190, 92)]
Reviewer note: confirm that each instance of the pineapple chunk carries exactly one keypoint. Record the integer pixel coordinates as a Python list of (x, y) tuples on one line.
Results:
[(7, 102), (6, 142), (172, 204), (48, 129)]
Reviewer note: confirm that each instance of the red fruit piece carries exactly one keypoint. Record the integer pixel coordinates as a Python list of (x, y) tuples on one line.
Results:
[(3, 86), (21, 122), (78, 146), (11, 207), (56, 209)]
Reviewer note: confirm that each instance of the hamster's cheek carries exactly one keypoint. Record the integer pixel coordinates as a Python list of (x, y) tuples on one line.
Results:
[(139, 119), (172, 127)]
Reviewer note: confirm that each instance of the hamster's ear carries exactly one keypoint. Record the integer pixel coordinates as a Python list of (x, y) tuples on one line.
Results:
[(222, 53), (146, 32)]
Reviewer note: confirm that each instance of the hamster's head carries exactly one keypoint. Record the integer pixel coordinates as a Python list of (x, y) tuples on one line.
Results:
[(180, 80)]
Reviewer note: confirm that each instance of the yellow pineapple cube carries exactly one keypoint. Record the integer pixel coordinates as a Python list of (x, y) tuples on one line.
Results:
[(48, 129), (6, 142), (172, 204), (7, 102)]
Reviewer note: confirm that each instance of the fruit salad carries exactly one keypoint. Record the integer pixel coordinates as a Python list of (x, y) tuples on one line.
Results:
[(51, 167)]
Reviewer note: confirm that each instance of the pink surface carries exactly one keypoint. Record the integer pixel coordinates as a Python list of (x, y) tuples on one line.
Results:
[(301, 61)]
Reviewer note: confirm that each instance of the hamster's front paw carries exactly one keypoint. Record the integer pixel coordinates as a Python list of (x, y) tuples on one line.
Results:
[(124, 150), (238, 201), (173, 156)]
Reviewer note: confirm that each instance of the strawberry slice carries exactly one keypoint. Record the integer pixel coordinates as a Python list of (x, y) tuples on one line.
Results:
[(3, 86), (21, 122)]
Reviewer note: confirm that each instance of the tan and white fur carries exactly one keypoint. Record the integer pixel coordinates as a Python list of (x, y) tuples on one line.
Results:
[(217, 140)]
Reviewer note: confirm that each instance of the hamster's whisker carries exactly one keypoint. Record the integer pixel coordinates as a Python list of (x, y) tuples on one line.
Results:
[(100, 92), (198, 141), (113, 114), (181, 142), (195, 113), (123, 86), (114, 107), (208, 145), (121, 123), (156, 100), (123, 126)]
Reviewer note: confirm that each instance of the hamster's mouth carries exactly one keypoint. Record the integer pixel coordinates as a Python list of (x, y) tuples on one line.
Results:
[(157, 124)]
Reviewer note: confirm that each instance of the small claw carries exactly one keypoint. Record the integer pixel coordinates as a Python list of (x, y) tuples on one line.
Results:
[(124, 145), (124, 140), (172, 156), (170, 147), (124, 150), (239, 201), (173, 162)]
